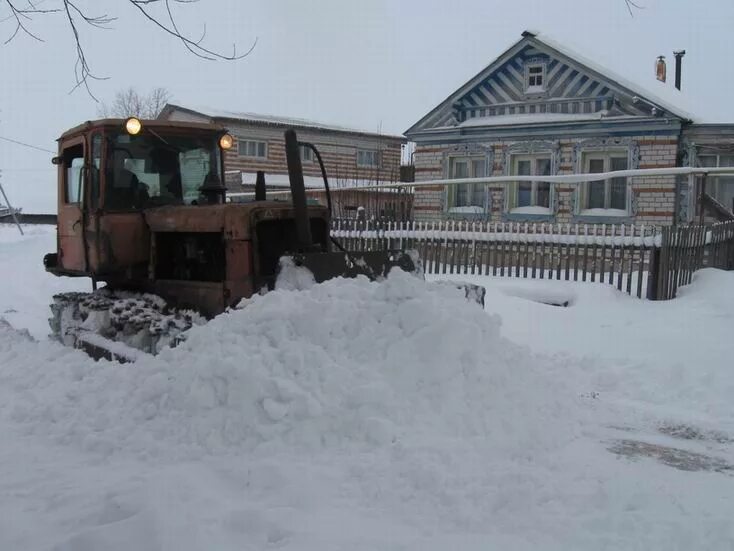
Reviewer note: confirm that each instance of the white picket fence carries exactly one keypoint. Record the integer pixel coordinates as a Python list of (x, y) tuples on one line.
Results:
[(523, 232)]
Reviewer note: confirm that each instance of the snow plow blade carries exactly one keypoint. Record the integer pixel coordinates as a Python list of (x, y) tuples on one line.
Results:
[(375, 265)]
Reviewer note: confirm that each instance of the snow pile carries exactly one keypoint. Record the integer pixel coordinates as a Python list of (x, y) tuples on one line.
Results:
[(352, 415), (346, 362)]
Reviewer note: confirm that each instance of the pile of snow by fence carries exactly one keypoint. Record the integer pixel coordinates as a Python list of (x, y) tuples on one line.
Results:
[(345, 363)]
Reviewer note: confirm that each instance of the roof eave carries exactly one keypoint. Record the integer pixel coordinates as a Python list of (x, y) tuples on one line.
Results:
[(540, 125), (275, 124)]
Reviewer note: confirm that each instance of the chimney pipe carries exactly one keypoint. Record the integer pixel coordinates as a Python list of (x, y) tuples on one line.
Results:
[(678, 60), (660, 68)]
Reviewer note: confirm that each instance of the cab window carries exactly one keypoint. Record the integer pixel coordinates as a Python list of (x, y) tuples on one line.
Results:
[(73, 163)]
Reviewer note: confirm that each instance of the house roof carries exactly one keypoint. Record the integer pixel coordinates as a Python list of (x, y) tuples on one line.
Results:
[(663, 94), (665, 97), (272, 120)]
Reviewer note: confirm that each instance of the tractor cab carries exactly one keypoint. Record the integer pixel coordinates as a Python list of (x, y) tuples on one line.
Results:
[(110, 171)]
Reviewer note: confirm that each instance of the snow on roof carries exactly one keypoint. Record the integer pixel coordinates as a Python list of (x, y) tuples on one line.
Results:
[(663, 94), (277, 120)]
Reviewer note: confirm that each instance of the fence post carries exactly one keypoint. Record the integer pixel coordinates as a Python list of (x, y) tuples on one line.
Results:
[(653, 271)]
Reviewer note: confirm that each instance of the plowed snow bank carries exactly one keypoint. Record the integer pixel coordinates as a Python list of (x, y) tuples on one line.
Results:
[(348, 362)]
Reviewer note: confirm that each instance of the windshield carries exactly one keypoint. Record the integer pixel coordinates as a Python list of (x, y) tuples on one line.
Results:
[(148, 170)]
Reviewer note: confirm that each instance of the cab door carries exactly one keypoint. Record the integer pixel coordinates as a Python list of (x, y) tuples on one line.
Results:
[(72, 251), (91, 211)]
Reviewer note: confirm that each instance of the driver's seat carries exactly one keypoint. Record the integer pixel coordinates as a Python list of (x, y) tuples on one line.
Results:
[(125, 191)]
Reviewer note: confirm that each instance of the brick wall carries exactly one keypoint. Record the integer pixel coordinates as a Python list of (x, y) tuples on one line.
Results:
[(654, 197)]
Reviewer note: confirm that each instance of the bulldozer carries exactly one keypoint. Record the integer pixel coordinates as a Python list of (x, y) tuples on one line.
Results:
[(142, 208)]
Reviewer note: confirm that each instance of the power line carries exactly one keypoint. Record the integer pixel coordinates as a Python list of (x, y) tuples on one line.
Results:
[(26, 145)]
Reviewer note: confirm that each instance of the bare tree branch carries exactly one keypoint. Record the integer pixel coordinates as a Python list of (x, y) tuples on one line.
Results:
[(21, 14), (193, 46), (82, 72), (632, 4), (74, 16)]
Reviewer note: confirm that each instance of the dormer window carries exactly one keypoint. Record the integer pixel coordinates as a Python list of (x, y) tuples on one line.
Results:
[(534, 77)]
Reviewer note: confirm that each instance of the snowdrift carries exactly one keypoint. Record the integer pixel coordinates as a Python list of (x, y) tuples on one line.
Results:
[(355, 415), (345, 363)]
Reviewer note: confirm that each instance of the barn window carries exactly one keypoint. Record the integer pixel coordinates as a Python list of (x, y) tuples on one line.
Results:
[(251, 148), (306, 154), (368, 158)]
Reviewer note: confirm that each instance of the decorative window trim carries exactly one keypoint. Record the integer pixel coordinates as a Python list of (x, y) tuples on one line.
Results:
[(534, 148), (604, 146), (466, 150), (536, 89)]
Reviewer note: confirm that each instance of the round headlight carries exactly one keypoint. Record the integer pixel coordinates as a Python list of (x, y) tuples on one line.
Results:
[(226, 141), (133, 126)]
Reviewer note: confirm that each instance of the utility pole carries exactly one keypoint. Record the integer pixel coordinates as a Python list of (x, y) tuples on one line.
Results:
[(7, 203), (10, 207)]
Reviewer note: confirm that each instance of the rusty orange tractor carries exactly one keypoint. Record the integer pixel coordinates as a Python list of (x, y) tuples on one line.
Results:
[(142, 208)]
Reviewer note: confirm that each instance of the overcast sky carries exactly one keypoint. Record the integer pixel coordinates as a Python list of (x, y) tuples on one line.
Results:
[(372, 64)]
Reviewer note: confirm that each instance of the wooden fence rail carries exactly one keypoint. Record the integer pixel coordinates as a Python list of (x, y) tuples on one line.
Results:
[(643, 261), (683, 250), (619, 255)]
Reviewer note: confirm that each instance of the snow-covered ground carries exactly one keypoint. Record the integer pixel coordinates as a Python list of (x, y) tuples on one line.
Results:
[(354, 415)]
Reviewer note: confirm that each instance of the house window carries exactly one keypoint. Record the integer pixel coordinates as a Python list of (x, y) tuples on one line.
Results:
[(535, 77), (368, 158), (531, 196), (306, 154), (720, 188), (467, 197), (252, 148), (609, 195)]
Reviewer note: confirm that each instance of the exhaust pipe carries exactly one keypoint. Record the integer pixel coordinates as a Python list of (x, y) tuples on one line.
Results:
[(298, 191), (260, 186)]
